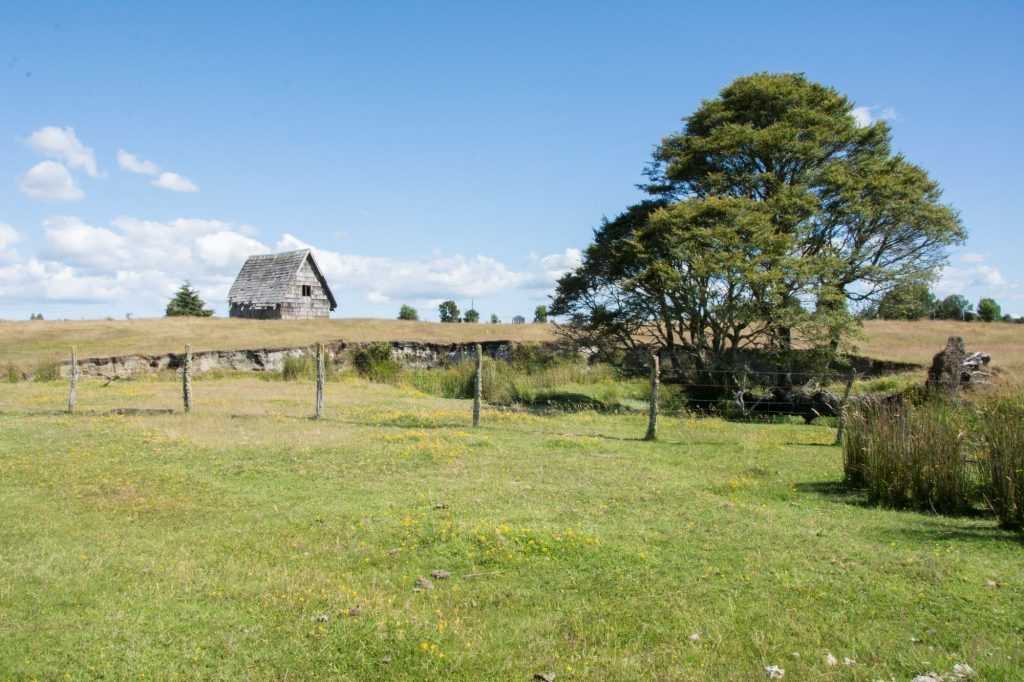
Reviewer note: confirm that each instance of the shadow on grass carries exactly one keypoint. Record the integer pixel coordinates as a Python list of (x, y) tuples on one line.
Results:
[(837, 491), (932, 529)]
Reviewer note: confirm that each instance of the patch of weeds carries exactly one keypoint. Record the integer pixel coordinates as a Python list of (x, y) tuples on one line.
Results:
[(48, 371)]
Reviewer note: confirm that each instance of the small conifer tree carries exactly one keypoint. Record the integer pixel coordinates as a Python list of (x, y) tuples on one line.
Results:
[(186, 302)]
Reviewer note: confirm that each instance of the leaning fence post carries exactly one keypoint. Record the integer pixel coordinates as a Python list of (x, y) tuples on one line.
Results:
[(842, 407), (186, 378), (73, 381), (652, 415), (478, 384), (319, 381)]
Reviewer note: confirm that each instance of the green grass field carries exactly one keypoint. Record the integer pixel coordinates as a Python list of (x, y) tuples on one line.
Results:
[(246, 541)]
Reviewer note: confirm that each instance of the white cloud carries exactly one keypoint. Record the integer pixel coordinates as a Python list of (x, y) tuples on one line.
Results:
[(976, 276), (865, 116), (174, 182), (50, 180), (63, 144), (226, 248), (437, 278), (8, 236), (134, 164), (138, 263)]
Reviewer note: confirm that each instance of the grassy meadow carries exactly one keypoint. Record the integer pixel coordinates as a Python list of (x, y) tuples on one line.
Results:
[(246, 541)]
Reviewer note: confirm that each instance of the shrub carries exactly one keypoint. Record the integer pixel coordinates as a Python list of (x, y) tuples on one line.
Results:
[(407, 312), (1001, 423), (910, 456), (374, 362), (48, 371), (295, 368), (12, 373)]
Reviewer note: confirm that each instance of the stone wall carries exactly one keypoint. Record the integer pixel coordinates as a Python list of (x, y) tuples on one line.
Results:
[(409, 354)]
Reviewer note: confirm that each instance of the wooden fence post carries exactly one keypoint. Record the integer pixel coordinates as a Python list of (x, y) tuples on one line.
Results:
[(478, 384), (186, 379), (652, 415), (841, 426), (73, 381), (319, 381)]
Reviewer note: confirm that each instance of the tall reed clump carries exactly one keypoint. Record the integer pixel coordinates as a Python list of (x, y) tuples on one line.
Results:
[(303, 368), (1001, 423), (374, 362), (911, 456)]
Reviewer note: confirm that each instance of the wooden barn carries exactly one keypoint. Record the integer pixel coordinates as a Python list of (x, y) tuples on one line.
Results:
[(281, 286)]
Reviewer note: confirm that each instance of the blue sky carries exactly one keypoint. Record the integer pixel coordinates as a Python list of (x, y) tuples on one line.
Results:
[(437, 150)]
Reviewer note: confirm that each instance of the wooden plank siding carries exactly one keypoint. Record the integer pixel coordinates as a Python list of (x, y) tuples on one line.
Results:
[(271, 287)]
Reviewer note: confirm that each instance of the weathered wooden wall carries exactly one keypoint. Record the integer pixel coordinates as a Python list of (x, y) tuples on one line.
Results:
[(299, 307)]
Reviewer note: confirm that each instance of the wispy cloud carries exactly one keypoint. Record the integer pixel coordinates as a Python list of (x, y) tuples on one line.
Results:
[(134, 164), (865, 116), (174, 182), (63, 144), (50, 181), (164, 179)]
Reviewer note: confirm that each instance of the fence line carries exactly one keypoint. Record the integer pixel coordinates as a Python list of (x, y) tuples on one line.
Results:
[(756, 407)]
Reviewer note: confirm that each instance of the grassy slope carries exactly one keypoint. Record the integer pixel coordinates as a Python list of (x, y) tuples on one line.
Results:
[(26, 344), (211, 547)]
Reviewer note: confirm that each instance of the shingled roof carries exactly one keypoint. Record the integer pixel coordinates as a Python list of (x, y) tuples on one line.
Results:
[(265, 280)]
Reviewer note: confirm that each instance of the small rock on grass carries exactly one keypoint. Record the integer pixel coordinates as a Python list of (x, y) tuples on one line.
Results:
[(774, 672), (695, 637), (830, 660), (423, 583), (544, 677), (440, 574), (354, 611), (962, 671)]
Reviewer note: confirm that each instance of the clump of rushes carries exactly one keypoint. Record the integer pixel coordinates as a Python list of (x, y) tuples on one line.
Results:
[(911, 456), (48, 371), (1001, 423)]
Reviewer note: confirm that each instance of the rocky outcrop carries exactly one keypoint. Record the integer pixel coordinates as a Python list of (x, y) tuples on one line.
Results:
[(954, 368), (407, 353)]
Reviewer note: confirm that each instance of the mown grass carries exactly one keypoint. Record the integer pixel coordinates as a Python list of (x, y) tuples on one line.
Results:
[(246, 541)]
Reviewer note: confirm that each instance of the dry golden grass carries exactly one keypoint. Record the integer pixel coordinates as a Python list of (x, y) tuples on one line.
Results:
[(918, 341), (27, 344)]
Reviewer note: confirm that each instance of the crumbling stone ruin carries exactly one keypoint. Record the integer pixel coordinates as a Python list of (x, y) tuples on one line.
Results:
[(953, 368)]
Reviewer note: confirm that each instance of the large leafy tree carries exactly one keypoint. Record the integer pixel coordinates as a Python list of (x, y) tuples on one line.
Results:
[(448, 311), (907, 301), (954, 307), (186, 302), (989, 310), (868, 218), (771, 211)]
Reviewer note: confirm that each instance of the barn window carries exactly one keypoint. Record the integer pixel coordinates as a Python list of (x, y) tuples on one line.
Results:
[(307, 289)]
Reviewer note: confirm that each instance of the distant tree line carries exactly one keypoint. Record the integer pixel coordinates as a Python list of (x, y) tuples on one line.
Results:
[(448, 312), (916, 301)]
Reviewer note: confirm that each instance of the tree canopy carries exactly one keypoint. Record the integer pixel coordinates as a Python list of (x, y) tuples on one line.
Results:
[(186, 302), (448, 311), (407, 312), (989, 310), (771, 212)]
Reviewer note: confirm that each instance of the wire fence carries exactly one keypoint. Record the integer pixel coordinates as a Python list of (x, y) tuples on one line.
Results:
[(744, 394)]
